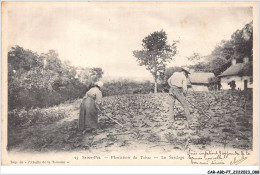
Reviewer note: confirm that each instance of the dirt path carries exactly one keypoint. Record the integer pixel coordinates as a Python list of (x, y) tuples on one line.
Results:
[(74, 115)]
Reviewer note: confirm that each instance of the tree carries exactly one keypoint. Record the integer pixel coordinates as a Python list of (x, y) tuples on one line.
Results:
[(97, 73), (201, 67), (21, 60), (44, 80), (84, 75), (242, 41), (155, 54), (239, 46), (52, 61), (194, 57), (201, 62)]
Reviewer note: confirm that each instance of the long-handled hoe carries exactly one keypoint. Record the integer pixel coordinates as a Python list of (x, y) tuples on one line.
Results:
[(111, 118)]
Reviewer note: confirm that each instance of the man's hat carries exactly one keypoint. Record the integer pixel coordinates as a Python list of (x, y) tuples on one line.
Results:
[(180, 69), (99, 84), (187, 72)]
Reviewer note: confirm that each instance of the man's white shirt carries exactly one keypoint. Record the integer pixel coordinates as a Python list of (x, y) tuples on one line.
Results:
[(178, 79)]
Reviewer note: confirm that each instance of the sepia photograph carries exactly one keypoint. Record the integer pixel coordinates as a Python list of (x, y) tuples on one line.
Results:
[(129, 83)]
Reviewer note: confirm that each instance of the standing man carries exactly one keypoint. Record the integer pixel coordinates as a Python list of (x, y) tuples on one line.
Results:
[(178, 90)]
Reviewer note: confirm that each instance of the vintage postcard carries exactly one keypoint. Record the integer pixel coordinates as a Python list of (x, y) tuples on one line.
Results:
[(129, 83)]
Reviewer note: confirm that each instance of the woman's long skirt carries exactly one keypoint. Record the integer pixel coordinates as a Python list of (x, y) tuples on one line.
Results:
[(88, 115)]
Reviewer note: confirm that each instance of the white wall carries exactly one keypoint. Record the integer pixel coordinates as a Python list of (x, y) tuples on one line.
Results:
[(239, 82)]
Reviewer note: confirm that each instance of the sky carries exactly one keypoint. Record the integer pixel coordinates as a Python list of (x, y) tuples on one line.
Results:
[(106, 34)]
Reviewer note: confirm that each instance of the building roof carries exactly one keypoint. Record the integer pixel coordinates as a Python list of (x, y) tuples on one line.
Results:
[(200, 77), (239, 69)]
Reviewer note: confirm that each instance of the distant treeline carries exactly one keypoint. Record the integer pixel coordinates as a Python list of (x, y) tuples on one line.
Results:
[(44, 80), (129, 87)]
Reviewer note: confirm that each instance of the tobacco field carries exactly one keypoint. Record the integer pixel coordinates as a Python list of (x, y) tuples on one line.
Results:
[(224, 120)]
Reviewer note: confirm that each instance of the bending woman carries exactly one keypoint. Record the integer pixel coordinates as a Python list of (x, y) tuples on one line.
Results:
[(89, 108)]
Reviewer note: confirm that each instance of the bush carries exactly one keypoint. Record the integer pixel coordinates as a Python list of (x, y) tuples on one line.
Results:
[(25, 98), (28, 117), (232, 85)]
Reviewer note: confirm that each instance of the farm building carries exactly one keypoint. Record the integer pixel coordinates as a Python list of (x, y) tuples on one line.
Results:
[(200, 80), (238, 74)]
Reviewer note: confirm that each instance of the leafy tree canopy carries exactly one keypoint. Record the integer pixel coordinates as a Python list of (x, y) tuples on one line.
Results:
[(30, 73), (156, 53), (238, 47)]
